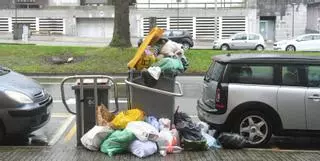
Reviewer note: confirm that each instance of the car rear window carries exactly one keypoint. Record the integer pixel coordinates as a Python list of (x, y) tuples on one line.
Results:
[(254, 37), (251, 74), (215, 71)]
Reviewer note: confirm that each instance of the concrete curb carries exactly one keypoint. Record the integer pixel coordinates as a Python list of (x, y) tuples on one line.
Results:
[(111, 74)]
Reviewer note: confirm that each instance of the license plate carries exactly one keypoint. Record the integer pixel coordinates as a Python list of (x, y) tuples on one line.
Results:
[(49, 109)]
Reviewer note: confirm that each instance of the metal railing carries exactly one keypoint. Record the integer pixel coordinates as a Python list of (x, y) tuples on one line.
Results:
[(220, 4)]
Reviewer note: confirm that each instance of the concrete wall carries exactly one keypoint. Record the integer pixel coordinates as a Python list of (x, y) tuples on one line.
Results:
[(6, 4), (69, 14), (276, 7), (284, 24), (313, 19)]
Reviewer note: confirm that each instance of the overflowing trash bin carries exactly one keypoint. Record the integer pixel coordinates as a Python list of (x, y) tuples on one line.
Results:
[(90, 91), (158, 100), (150, 124)]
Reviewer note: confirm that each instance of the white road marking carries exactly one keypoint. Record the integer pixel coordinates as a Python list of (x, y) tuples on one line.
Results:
[(61, 115), (61, 130), (72, 101), (57, 83)]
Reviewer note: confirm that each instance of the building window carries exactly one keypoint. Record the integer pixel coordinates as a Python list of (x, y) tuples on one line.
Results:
[(26, 1)]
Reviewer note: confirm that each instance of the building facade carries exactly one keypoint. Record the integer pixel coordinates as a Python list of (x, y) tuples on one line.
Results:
[(204, 19)]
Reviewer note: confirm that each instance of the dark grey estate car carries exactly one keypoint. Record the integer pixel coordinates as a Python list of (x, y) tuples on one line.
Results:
[(24, 104), (257, 95), (179, 36)]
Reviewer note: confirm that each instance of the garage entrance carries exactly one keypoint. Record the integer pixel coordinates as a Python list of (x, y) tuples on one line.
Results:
[(95, 27)]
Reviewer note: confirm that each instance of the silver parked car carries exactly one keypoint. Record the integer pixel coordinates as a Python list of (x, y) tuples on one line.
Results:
[(24, 104), (241, 41), (259, 95), (307, 42)]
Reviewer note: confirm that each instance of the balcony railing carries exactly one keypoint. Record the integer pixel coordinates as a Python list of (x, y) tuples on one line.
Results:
[(221, 4)]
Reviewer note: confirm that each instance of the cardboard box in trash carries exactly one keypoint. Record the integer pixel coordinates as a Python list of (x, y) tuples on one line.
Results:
[(154, 35)]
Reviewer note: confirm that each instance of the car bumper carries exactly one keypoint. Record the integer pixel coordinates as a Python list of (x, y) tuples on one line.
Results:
[(277, 47), (28, 119), (216, 47), (207, 115)]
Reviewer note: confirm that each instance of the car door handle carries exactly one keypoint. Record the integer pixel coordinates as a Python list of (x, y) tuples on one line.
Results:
[(315, 96)]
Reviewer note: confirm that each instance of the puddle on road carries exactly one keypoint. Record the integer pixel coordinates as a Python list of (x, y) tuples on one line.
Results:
[(25, 140)]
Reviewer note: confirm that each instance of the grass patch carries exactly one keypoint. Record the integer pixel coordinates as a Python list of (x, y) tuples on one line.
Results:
[(34, 59)]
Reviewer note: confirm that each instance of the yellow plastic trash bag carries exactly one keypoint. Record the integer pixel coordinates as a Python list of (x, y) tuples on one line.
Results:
[(145, 62), (154, 35), (123, 118)]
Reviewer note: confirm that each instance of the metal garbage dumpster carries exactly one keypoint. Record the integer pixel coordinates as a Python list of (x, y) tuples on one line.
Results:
[(158, 101), (90, 91)]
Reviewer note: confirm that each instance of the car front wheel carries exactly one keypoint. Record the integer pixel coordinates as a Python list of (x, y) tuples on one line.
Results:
[(186, 46), (291, 48), (254, 127), (225, 47), (259, 48)]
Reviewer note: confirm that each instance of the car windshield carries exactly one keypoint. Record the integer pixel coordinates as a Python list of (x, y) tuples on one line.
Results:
[(3, 71), (300, 37), (215, 71)]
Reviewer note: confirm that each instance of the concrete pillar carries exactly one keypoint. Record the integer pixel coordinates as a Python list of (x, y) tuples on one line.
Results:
[(10, 29), (220, 27), (64, 26), (37, 24), (168, 23), (194, 28)]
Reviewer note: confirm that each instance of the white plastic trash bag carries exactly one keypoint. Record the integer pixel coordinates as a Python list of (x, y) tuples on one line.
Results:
[(168, 142), (143, 131), (143, 149), (211, 141), (94, 137), (203, 126), (164, 123)]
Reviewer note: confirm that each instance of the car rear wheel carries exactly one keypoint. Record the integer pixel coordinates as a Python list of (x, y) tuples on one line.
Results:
[(254, 127), (2, 132), (259, 48), (186, 46), (291, 48), (224, 47)]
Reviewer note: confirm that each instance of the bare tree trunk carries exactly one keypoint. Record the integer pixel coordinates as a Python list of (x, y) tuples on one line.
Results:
[(121, 31)]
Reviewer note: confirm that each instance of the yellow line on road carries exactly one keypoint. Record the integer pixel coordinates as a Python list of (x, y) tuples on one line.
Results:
[(61, 115), (71, 133)]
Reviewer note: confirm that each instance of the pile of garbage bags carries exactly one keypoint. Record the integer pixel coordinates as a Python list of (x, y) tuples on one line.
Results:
[(165, 56), (132, 131)]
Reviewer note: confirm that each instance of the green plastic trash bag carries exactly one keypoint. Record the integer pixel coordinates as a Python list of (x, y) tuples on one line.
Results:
[(170, 65), (118, 142)]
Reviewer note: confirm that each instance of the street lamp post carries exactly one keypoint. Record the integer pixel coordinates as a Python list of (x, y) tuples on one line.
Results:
[(216, 19), (178, 25), (15, 26), (292, 34)]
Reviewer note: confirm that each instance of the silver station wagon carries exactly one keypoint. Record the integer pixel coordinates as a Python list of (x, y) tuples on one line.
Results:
[(24, 105), (263, 94)]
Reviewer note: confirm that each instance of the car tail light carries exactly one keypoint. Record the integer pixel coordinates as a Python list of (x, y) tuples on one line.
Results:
[(219, 103)]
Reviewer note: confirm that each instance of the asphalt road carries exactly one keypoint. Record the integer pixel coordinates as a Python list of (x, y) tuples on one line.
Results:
[(61, 121)]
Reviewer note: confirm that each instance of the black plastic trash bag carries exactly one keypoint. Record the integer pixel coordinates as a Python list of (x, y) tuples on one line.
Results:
[(232, 141), (186, 127)]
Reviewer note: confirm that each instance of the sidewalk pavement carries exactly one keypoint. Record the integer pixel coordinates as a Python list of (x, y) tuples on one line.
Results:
[(65, 150), (72, 153), (83, 41)]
